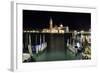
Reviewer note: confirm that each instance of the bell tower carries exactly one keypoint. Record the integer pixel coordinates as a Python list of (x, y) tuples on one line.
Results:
[(51, 23)]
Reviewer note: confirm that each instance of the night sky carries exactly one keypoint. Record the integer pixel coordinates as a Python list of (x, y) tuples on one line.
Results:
[(40, 19)]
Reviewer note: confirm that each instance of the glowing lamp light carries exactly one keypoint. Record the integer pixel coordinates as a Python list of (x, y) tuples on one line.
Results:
[(78, 45), (61, 25)]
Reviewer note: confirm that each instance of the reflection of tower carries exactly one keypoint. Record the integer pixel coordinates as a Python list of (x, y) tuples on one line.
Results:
[(51, 24)]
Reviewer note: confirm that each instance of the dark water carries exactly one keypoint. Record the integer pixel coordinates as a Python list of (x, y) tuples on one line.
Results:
[(56, 56), (56, 49)]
